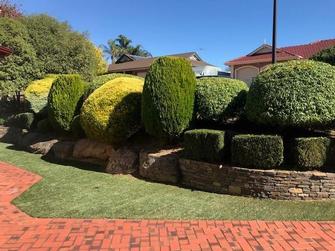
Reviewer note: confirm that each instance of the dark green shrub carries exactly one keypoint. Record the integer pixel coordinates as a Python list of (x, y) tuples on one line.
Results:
[(204, 145), (327, 56), (257, 151), (22, 120), (219, 99), (293, 94), (44, 126), (168, 98), (310, 153), (65, 100), (76, 128)]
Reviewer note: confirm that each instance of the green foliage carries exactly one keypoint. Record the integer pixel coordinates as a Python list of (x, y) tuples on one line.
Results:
[(44, 126), (18, 69), (65, 100), (59, 49), (36, 94), (76, 128), (219, 99), (204, 145), (311, 153), (257, 151), (327, 56), (112, 113), (103, 79), (168, 98), (21, 120), (293, 94)]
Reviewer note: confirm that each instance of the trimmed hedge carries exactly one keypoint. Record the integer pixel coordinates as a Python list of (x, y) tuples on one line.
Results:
[(293, 94), (112, 113), (36, 94), (310, 153), (204, 145), (168, 98), (257, 151), (219, 99), (326, 56), (103, 79), (21, 120), (64, 101)]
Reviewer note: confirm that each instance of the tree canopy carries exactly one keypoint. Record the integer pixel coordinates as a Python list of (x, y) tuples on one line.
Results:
[(115, 48), (8, 9), (22, 66), (42, 45)]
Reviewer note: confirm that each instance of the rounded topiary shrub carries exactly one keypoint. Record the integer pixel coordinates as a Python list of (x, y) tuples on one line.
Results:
[(65, 100), (168, 97), (103, 79), (293, 94), (36, 94), (219, 99), (112, 113)]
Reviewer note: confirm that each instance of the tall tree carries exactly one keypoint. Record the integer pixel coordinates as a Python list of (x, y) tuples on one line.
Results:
[(60, 49), (8, 9), (121, 45)]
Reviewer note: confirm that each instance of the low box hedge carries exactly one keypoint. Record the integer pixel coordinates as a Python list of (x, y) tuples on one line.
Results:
[(257, 151), (312, 153), (204, 145)]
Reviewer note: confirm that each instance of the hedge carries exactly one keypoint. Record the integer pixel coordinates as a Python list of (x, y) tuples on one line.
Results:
[(296, 94), (204, 145), (21, 120), (310, 153), (219, 99), (76, 128), (36, 94), (168, 98), (44, 126), (257, 151), (64, 101), (327, 56), (112, 113)]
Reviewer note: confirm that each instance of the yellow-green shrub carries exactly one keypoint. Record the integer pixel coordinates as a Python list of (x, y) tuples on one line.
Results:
[(37, 93), (112, 113)]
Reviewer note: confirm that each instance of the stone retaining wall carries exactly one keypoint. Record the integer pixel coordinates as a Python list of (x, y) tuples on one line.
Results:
[(274, 184)]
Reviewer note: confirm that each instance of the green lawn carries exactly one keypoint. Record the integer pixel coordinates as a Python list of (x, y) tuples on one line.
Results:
[(68, 191)]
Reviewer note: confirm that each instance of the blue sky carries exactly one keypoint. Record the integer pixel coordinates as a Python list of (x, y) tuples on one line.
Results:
[(219, 30)]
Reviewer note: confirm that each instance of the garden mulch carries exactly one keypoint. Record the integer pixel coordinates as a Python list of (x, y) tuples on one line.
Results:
[(19, 231)]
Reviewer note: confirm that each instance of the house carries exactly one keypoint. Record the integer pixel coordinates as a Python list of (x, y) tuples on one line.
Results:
[(139, 66), (4, 51), (247, 67)]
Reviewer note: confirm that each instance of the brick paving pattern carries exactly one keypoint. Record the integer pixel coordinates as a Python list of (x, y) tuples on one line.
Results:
[(18, 231)]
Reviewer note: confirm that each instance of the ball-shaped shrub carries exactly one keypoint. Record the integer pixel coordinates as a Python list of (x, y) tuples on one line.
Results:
[(65, 100), (36, 94), (112, 113), (103, 79), (168, 98), (298, 94), (219, 99), (21, 120)]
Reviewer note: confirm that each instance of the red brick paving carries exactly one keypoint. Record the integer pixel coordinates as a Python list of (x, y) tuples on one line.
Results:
[(18, 231)]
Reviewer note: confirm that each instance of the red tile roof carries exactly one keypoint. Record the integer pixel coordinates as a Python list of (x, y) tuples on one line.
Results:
[(286, 53)]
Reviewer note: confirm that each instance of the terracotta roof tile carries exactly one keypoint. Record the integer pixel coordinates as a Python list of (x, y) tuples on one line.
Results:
[(287, 53)]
